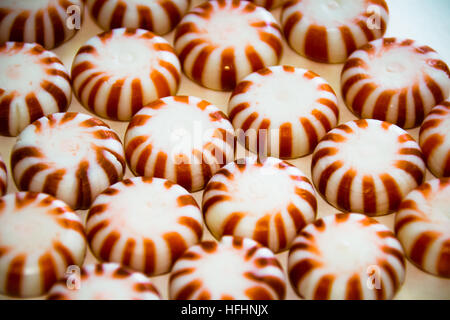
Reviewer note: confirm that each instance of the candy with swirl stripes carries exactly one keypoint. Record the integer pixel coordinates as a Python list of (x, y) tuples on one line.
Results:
[(40, 237), (283, 111), (434, 140), (220, 42), (330, 30), (395, 80), (346, 256), (158, 16), (3, 177), (423, 227), (107, 281), (267, 200), (117, 72), (367, 166), (71, 156), (144, 223), (46, 22), (183, 139), (33, 83), (233, 269)]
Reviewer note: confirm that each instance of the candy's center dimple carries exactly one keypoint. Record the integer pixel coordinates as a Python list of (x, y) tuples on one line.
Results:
[(229, 28), (332, 13), (347, 247), (179, 128), (68, 148), (259, 191), (67, 145), (333, 4), (395, 67), (144, 209), (31, 230), (124, 56), (371, 150), (21, 73), (223, 272), (105, 288), (14, 72), (284, 96)]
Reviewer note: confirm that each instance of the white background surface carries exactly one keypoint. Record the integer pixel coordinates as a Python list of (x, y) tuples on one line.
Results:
[(426, 21)]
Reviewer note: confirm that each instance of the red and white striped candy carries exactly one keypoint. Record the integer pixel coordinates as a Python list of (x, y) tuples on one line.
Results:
[(33, 83), (283, 111), (233, 269), (107, 281), (220, 42), (423, 227), (268, 4), (435, 140), (395, 80), (144, 223), (40, 237), (269, 201), (47, 22), (346, 256), (3, 177), (183, 139), (71, 156), (330, 30), (158, 16), (117, 72), (367, 166)]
